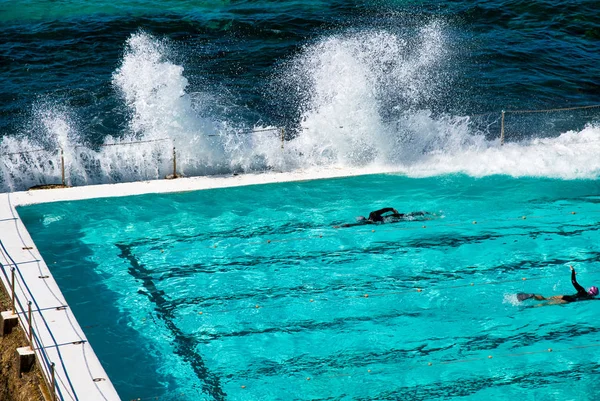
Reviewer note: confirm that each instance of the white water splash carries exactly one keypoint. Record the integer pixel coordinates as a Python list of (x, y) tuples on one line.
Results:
[(34, 157), (572, 155), (511, 299), (153, 89), (363, 97)]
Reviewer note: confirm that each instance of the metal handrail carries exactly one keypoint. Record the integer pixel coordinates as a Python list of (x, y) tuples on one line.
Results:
[(45, 362)]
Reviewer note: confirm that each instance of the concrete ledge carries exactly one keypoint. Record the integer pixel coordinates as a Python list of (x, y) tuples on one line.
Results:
[(185, 184), (61, 340)]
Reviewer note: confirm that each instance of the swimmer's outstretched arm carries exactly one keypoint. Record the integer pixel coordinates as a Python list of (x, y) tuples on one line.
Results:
[(379, 212), (578, 287), (347, 225), (360, 223)]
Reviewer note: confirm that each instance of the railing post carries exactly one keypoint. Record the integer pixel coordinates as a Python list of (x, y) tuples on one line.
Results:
[(12, 291), (174, 163), (30, 327), (502, 129), (53, 380), (62, 165)]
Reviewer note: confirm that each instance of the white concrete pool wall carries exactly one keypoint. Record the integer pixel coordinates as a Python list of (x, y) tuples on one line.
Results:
[(88, 379)]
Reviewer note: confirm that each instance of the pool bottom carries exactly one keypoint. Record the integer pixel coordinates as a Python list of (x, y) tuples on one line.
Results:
[(213, 289)]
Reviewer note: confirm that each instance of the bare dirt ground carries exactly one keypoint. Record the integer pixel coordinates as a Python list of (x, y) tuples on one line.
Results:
[(28, 387)]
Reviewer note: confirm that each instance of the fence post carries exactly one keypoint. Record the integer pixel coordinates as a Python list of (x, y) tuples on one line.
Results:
[(12, 291), (174, 163), (62, 165), (30, 327), (53, 395), (502, 129)]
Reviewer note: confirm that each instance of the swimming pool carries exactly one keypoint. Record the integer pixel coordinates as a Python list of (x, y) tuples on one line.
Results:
[(248, 293)]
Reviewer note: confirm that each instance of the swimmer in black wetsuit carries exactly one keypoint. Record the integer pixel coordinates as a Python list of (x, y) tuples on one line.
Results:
[(380, 216), (582, 294)]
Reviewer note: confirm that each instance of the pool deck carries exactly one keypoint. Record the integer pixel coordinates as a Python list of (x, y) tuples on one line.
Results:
[(59, 332)]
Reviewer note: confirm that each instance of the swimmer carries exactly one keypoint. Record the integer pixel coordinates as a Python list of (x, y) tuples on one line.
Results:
[(582, 294), (380, 217)]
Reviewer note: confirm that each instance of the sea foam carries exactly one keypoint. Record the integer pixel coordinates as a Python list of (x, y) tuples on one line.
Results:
[(363, 104)]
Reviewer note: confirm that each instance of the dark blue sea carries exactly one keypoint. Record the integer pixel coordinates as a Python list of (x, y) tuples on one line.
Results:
[(238, 86)]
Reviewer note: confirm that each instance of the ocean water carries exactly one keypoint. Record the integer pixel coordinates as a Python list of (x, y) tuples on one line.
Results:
[(418, 85), (250, 293)]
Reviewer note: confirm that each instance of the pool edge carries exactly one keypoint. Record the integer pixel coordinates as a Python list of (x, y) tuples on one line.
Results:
[(78, 371), (187, 184)]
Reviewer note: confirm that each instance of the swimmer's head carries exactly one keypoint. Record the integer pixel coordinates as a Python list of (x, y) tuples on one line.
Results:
[(361, 218), (593, 291)]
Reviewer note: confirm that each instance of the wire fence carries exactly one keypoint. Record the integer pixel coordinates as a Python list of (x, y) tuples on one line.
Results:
[(130, 143), (592, 106), (28, 151), (24, 314), (280, 133)]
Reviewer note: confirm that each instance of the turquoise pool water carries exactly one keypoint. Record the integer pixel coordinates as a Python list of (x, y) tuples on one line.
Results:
[(249, 293)]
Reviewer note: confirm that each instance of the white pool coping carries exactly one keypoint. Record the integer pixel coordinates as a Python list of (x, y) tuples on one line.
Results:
[(89, 380)]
